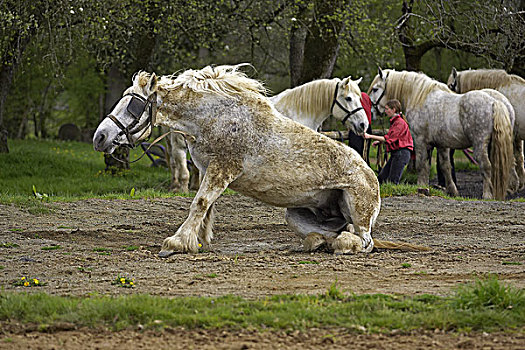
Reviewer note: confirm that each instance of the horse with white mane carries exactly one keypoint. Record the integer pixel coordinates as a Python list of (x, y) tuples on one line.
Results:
[(237, 139), (510, 85), (441, 118), (312, 103), (309, 104)]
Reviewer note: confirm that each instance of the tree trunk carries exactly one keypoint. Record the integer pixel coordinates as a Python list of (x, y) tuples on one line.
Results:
[(314, 49), (7, 73), (6, 79)]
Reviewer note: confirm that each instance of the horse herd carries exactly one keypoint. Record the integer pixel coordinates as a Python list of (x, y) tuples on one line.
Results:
[(268, 148)]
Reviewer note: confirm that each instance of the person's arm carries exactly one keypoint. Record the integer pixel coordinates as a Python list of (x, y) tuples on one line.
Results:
[(374, 137)]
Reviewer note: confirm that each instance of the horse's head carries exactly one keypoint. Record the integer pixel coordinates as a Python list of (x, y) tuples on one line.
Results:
[(453, 80), (131, 118), (347, 107), (377, 93)]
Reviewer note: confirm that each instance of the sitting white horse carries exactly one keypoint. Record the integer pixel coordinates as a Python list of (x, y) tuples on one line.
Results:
[(239, 140)]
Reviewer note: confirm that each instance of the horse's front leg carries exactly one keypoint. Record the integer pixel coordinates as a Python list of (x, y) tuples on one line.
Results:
[(422, 163), (215, 181), (444, 161)]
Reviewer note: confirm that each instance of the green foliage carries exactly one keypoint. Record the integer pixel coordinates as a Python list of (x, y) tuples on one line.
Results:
[(124, 282), (25, 281), (72, 170), (489, 293), (372, 313)]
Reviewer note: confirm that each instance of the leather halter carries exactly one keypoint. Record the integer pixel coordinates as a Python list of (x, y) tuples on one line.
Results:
[(136, 107), (336, 102), (455, 85), (375, 104)]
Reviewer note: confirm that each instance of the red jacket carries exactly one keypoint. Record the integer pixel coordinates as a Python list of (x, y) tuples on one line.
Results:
[(398, 136), (367, 106)]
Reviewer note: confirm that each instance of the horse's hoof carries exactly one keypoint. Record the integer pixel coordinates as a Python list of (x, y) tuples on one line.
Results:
[(166, 253)]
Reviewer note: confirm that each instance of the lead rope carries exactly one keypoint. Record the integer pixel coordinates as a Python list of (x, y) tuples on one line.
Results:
[(156, 141)]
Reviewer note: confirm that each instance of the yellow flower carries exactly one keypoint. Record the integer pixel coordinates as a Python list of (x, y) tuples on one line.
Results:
[(123, 280), (200, 245), (131, 283), (35, 280), (26, 284), (23, 278)]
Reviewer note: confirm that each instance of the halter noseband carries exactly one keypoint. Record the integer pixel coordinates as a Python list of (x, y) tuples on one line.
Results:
[(136, 107), (336, 102), (380, 96)]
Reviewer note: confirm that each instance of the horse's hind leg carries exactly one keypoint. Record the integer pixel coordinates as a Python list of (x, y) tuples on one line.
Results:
[(309, 227), (444, 161), (518, 157), (482, 156), (361, 209)]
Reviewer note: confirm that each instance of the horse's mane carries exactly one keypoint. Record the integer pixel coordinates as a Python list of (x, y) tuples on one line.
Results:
[(312, 97), (482, 78), (224, 80), (412, 88)]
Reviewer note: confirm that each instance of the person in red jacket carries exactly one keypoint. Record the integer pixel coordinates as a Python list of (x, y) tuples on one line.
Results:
[(398, 141)]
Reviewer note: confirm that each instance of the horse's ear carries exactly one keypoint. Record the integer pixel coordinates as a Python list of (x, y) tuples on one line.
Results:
[(152, 83), (380, 73), (358, 80), (454, 72), (345, 81)]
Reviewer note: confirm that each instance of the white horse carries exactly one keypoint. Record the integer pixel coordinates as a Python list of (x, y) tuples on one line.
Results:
[(441, 118), (309, 104), (239, 140), (510, 85), (312, 103), (177, 163)]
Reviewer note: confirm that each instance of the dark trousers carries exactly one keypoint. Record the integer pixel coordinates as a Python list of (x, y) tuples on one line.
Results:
[(393, 169)]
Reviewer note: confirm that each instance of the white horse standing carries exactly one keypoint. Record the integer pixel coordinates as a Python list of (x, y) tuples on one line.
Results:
[(441, 118), (510, 85), (312, 103), (177, 162), (239, 140)]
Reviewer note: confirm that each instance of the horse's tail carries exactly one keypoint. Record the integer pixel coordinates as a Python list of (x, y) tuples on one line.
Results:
[(501, 154), (399, 246)]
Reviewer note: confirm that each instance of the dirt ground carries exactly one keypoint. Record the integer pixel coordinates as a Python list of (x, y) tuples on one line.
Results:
[(254, 255)]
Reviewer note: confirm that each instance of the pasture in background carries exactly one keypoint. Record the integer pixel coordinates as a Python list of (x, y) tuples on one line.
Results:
[(69, 170)]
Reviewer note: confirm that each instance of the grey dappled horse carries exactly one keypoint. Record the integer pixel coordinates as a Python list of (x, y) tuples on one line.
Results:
[(438, 117), (510, 85)]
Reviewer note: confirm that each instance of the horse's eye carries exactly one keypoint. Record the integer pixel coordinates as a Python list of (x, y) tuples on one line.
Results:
[(348, 98)]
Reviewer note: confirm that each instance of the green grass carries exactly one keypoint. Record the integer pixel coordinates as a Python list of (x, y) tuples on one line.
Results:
[(61, 170), (39, 171), (485, 305)]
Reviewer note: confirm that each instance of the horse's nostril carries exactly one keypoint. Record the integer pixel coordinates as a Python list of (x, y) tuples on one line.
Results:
[(99, 139)]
